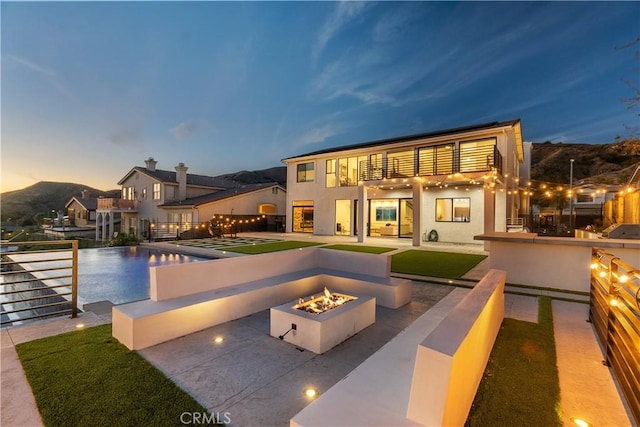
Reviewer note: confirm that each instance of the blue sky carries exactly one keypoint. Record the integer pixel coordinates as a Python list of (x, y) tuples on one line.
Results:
[(91, 89)]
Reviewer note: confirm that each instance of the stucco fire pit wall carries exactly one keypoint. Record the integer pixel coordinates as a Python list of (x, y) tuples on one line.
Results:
[(319, 333)]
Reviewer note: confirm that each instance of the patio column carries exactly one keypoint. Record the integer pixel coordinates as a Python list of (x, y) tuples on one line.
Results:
[(98, 215), (103, 228), (111, 227), (417, 210), (363, 213)]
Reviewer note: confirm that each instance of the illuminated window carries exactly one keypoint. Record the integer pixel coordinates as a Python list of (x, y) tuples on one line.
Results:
[(128, 193), (156, 191), (348, 171), (477, 155), (330, 180), (453, 210), (266, 208)]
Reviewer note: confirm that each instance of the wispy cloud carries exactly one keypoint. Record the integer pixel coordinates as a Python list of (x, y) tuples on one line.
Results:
[(31, 65), (184, 129), (344, 12), (318, 134), (379, 78), (125, 134)]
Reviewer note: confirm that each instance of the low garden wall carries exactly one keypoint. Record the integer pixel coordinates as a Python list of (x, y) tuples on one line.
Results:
[(550, 262)]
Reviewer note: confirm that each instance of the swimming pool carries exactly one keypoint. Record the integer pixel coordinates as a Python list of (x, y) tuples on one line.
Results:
[(121, 274)]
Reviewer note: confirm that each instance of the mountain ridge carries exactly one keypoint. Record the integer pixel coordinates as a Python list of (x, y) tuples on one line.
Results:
[(550, 162)]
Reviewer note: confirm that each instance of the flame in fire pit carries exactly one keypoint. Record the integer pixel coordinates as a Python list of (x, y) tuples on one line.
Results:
[(323, 303)]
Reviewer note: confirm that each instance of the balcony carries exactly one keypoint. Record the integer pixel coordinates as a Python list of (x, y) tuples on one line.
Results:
[(113, 204), (432, 161)]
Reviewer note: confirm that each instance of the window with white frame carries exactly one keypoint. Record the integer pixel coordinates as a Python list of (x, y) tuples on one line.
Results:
[(156, 191)]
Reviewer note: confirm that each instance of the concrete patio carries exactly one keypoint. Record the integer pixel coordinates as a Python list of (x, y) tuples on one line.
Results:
[(260, 380)]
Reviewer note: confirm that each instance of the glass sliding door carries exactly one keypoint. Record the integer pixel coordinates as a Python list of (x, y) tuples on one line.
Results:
[(343, 217), (406, 217)]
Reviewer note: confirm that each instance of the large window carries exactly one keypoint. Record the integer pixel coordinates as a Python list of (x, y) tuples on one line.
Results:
[(348, 171), (453, 210), (306, 172), (477, 156), (128, 193), (302, 220), (400, 164), (436, 160), (444, 159), (156, 191), (330, 179), (343, 217)]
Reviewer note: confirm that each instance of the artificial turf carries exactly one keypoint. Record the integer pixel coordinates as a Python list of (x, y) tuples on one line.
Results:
[(360, 248), (520, 385), (434, 264), (262, 248), (87, 377)]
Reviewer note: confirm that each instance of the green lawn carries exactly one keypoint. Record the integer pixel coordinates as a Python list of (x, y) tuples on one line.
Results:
[(360, 248), (520, 385), (262, 248), (434, 264), (87, 378)]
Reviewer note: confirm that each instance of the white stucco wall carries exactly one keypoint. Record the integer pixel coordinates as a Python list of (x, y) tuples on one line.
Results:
[(244, 204), (552, 262), (487, 219)]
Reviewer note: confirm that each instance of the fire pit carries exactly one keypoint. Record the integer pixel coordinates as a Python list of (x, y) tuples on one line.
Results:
[(322, 322), (323, 303)]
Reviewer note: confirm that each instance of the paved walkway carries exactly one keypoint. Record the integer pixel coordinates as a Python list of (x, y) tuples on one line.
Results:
[(245, 382)]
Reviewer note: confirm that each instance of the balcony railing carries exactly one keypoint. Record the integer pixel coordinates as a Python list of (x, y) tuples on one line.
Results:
[(115, 204), (432, 162), (39, 279)]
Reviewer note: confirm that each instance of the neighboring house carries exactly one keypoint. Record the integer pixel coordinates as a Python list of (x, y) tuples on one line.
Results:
[(590, 205), (239, 202), (459, 182), (178, 201), (81, 211)]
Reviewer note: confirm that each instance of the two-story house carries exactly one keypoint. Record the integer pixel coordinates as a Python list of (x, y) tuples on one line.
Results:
[(448, 185), (176, 201)]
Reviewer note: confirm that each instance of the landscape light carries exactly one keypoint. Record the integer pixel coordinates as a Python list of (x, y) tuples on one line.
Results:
[(580, 422), (218, 340), (310, 392)]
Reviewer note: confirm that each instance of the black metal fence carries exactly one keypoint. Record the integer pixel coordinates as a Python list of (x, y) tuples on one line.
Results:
[(38, 279), (615, 313)]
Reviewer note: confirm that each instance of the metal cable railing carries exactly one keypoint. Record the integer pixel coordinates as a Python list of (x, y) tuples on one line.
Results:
[(38, 280)]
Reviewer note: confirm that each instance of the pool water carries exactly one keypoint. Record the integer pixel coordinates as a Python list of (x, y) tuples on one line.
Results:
[(121, 274)]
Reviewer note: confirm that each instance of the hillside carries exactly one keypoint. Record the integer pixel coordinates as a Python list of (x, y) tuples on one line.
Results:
[(276, 174), (20, 207), (599, 164), (40, 199)]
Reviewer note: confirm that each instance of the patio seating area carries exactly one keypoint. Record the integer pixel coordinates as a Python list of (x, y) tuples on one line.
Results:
[(214, 292)]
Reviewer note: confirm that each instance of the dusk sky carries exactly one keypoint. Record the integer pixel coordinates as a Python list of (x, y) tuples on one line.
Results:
[(90, 90)]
